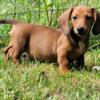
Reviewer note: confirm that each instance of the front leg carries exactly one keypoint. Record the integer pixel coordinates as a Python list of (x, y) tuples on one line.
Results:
[(80, 63), (62, 60), (63, 48)]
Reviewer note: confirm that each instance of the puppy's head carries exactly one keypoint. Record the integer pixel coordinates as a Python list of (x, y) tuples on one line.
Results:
[(82, 18)]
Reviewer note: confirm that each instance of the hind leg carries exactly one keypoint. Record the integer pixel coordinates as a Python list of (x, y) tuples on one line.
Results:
[(8, 53), (6, 49), (12, 52), (17, 45), (18, 49), (16, 55)]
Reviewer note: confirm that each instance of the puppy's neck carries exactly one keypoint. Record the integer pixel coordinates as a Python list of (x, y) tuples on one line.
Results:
[(75, 39)]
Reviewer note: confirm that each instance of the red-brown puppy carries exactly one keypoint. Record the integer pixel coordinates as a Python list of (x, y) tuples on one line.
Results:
[(46, 43)]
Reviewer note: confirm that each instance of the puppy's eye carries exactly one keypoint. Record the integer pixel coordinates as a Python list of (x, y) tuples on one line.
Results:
[(74, 17), (88, 17)]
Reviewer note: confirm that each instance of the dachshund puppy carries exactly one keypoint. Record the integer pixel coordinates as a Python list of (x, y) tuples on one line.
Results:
[(46, 43)]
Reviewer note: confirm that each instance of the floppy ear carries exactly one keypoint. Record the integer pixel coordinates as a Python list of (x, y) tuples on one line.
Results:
[(96, 27), (64, 20)]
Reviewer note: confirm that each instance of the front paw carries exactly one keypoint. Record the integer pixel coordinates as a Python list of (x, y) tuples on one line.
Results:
[(63, 69)]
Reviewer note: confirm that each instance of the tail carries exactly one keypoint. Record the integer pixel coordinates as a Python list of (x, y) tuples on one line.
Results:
[(8, 21)]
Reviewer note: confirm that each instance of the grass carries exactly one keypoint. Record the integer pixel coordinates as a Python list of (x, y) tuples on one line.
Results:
[(42, 81), (92, 58)]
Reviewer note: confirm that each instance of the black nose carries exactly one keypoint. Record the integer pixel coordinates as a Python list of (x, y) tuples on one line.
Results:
[(80, 29)]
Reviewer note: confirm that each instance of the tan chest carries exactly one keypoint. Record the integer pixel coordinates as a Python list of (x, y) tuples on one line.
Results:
[(81, 48), (77, 51)]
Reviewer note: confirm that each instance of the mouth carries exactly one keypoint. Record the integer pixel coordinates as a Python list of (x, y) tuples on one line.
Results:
[(80, 34)]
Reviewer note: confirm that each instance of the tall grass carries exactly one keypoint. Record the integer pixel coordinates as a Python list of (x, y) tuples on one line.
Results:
[(38, 11)]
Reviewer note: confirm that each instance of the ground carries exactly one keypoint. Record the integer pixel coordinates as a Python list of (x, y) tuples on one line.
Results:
[(42, 81)]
